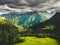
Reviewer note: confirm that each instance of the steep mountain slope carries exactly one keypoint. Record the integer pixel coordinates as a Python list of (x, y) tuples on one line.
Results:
[(55, 20), (51, 26), (26, 19)]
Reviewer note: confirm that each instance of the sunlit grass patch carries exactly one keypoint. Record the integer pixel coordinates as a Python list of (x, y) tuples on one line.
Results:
[(38, 41)]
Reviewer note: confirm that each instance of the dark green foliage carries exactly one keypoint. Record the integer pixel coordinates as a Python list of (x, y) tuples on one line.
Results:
[(51, 27), (8, 32)]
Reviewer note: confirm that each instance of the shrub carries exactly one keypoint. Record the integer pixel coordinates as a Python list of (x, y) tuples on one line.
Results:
[(8, 32)]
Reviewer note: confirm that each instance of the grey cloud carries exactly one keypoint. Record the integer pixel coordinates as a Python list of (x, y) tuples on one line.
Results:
[(40, 4), (21, 2)]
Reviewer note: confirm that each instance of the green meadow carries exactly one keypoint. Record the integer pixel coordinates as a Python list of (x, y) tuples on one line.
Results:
[(37, 41)]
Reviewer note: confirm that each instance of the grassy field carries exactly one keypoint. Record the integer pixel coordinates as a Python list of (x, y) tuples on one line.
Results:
[(37, 41)]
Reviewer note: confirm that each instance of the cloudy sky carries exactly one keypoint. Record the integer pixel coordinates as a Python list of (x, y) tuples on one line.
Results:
[(35, 4)]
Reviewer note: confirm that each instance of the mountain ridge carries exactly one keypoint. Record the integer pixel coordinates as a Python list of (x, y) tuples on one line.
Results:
[(54, 21), (26, 19)]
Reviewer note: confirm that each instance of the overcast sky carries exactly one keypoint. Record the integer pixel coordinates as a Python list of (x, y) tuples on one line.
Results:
[(36, 4)]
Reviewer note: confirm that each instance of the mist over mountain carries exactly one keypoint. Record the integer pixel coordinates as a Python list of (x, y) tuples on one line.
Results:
[(25, 17)]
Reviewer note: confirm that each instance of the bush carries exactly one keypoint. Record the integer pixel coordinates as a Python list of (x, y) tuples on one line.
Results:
[(8, 32)]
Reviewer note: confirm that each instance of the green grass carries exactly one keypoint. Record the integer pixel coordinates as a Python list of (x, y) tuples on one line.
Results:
[(37, 41)]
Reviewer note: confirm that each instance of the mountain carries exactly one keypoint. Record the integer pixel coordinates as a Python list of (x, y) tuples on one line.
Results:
[(51, 26), (26, 20)]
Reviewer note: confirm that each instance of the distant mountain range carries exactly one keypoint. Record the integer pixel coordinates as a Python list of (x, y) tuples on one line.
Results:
[(26, 19)]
